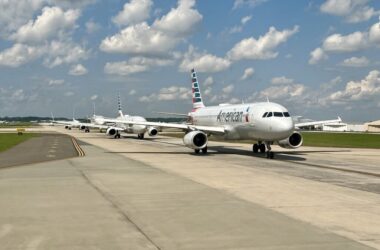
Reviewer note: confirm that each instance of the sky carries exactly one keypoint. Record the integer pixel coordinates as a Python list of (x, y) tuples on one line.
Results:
[(318, 58)]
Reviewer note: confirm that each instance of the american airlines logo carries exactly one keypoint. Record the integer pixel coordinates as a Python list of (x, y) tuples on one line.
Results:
[(235, 116)]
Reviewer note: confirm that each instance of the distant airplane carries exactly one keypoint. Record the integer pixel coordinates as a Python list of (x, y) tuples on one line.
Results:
[(265, 122), (118, 126)]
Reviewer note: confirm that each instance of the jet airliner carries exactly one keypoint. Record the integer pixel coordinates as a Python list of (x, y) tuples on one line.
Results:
[(264, 122)]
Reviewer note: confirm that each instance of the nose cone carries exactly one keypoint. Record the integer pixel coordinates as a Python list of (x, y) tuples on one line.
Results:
[(283, 128)]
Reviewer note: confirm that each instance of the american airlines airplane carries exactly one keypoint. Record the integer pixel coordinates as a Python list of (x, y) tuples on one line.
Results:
[(264, 122), (122, 123)]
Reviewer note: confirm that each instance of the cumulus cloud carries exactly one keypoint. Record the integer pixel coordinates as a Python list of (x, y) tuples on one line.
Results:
[(132, 92), (281, 92), (282, 80), (55, 82), (245, 19), (338, 43), (356, 62), (92, 27), (63, 52), (358, 90), (78, 70), (228, 89), (19, 54), (94, 97), (203, 62), (354, 11), (135, 11), (248, 73), (249, 3), (134, 65), (261, 48), (168, 94), (208, 82), (51, 23), (156, 40)]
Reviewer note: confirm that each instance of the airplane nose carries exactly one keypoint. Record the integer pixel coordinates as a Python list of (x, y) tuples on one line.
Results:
[(284, 128)]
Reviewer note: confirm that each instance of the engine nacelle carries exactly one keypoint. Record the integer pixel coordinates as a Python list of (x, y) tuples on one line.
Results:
[(111, 131), (152, 131), (293, 141), (195, 140)]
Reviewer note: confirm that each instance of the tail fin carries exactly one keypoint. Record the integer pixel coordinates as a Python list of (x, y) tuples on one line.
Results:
[(197, 97), (119, 106)]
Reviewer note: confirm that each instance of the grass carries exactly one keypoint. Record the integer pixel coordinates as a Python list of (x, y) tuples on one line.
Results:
[(322, 139), (19, 125), (8, 140)]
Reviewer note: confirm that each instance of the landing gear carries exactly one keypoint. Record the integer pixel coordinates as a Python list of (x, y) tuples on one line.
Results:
[(270, 154), (117, 136), (204, 150), (258, 147), (140, 136), (87, 130)]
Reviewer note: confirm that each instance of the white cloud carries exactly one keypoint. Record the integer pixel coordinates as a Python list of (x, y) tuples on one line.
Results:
[(355, 62), (134, 65), (245, 19), (282, 80), (338, 43), (135, 11), (283, 91), (55, 82), (317, 55), (332, 83), (132, 92), (208, 82), (354, 11), (69, 93), (63, 52), (228, 89), (249, 3), (202, 62), (19, 54), (359, 90), (94, 97), (51, 23), (168, 94), (92, 27), (158, 39), (248, 73), (78, 70), (261, 48)]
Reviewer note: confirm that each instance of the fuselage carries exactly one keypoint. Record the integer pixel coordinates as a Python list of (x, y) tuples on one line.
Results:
[(134, 129), (263, 121)]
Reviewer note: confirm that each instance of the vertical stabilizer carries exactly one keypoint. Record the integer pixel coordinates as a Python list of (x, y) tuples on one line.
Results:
[(119, 110), (197, 97)]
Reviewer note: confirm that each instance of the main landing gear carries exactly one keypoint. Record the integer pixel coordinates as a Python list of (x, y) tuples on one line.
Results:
[(204, 150), (140, 136), (117, 136), (87, 130), (263, 148)]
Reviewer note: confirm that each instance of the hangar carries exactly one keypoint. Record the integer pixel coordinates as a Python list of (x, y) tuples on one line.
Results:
[(373, 126)]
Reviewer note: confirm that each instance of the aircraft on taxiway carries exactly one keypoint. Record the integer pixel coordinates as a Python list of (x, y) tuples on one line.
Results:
[(265, 122)]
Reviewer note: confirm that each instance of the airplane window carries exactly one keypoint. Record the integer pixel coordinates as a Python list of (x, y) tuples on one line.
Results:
[(270, 114), (277, 114), (265, 114), (286, 114)]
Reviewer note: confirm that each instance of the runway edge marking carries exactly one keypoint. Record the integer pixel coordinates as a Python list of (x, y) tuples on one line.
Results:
[(77, 147)]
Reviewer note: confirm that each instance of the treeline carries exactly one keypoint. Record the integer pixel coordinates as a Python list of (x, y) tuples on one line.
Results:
[(46, 119)]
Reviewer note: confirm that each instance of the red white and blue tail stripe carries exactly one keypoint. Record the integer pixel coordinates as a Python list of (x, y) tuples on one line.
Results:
[(197, 97)]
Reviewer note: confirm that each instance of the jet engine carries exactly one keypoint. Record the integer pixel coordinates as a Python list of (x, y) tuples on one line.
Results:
[(152, 131), (82, 127), (293, 141), (195, 140), (111, 131)]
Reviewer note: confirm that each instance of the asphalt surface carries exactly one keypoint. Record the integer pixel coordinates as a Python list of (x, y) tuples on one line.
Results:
[(45, 147)]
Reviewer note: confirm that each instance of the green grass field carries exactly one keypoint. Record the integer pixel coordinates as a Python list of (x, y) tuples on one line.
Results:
[(18, 125), (8, 140), (323, 139)]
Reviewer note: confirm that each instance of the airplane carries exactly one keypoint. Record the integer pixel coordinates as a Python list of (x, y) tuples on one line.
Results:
[(118, 125), (264, 122)]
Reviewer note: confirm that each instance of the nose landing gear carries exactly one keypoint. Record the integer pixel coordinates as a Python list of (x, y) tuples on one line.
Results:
[(270, 153)]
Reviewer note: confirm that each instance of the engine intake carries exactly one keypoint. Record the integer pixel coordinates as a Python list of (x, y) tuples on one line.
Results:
[(295, 140), (111, 131), (195, 140), (152, 131)]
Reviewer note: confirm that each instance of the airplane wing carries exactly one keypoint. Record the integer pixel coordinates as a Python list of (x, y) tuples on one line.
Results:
[(187, 127), (306, 124)]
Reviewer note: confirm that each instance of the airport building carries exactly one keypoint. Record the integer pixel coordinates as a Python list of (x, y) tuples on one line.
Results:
[(373, 126)]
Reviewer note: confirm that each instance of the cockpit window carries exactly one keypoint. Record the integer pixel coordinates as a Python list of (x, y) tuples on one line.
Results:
[(265, 114), (277, 114), (270, 114), (286, 114)]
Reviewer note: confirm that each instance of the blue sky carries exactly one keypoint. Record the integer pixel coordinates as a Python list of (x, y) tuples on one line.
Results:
[(318, 58)]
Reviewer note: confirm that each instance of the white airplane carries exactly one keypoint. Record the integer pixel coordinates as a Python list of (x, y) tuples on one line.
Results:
[(265, 122), (118, 125)]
